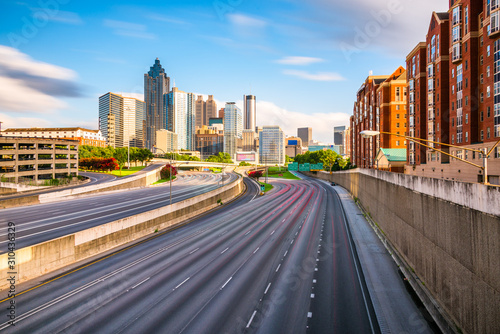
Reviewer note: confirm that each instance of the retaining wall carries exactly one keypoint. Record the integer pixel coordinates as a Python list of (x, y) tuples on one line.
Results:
[(37, 260), (448, 233)]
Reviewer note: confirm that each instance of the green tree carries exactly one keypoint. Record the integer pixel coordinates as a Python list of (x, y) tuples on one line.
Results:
[(121, 155)]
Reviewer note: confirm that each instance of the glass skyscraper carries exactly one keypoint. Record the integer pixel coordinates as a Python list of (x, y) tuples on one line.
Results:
[(233, 128), (180, 117), (272, 145), (156, 85), (249, 106)]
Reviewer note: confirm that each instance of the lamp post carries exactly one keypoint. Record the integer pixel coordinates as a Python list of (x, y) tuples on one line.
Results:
[(484, 167), (170, 174)]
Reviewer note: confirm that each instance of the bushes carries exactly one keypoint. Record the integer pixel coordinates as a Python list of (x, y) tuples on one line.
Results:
[(99, 164), (255, 174), (165, 171)]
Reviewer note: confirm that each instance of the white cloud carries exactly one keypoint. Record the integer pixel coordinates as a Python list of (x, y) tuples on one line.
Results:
[(320, 76), (23, 122), (322, 123), (32, 86), (129, 29), (246, 21), (67, 17), (299, 60)]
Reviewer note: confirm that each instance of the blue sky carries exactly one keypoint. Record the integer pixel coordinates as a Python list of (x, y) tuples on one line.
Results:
[(304, 60)]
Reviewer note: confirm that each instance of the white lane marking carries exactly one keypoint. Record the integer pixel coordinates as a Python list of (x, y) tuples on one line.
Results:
[(296, 233), (226, 282), (224, 250), (194, 250), (250, 321), (273, 232), (283, 220), (312, 295), (279, 265), (292, 241), (255, 251), (182, 283), (248, 232), (314, 281), (268, 286), (309, 314), (135, 286), (315, 269), (285, 253)]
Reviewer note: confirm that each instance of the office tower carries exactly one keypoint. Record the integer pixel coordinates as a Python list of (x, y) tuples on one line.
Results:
[(293, 146), (205, 110), (156, 85), (121, 120), (180, 115), (338, 138), (272, 145), (110, 118), (134, 118), (221, 113), (233, 128), (305, 134), (249, 106)]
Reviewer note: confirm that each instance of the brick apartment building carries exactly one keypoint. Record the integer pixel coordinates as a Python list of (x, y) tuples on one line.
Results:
[(380, 105), (455, 99)]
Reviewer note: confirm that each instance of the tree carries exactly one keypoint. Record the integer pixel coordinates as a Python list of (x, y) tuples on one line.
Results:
[(288, 159), (220, 157), (165, 171), (255, 174), (121, 155)]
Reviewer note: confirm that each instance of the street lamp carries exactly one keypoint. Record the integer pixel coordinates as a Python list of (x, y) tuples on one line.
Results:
[(170, 174), (484, 167)]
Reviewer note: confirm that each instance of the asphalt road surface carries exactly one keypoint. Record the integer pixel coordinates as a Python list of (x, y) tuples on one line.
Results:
[(42, 222), (278, 263)]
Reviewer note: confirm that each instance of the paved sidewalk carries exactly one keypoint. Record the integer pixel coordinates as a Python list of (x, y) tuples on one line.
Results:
[(395, 309)]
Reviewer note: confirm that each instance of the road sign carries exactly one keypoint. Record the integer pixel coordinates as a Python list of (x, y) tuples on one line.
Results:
[(293, 167), (317, 167), (262, 187), (305, 167)]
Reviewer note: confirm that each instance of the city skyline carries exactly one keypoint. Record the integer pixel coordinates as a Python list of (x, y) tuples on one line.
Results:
[(295, 88)]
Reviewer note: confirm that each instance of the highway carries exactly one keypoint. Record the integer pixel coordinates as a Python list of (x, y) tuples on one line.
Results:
[(278, 263), (42, 222)]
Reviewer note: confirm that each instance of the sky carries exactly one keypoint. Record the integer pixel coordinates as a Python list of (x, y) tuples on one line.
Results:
[(303, 60)]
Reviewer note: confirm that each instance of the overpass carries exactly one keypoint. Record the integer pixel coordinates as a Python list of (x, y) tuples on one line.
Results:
[(198, 164)]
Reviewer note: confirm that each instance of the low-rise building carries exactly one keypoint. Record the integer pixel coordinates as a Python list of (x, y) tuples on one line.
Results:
[(84, 136), (209, 141), (166, 141)]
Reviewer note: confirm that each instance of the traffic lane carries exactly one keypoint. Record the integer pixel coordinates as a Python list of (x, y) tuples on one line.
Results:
[(341, 303), (60, 218), (106, 267), (93, 294)]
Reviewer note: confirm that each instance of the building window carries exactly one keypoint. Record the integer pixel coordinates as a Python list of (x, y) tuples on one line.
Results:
[(482, 135), (466, 137), (453, 139), (397, 115), (488, 51), (452, 122), (481, 116), (488, 91), (487, 133), (488, 112), (467, 100), (466, 118), (452, 72), (397, 125), (453, 89), (481, 60), (397, 142), (488, 71), (481, 96), (481, 78)]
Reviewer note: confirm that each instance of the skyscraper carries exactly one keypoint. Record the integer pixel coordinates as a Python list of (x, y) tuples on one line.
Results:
[(180, 115), (156, 85), (121, 120), (305, 134), (205, 110), (272, 145), (233, 128), (249, 106)]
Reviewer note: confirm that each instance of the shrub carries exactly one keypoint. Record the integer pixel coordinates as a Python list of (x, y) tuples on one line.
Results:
[(165, 171)]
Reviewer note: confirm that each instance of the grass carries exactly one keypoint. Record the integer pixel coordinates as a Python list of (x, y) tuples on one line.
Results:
[(164, 180), (267, 186), (283, 174), (126, 172)]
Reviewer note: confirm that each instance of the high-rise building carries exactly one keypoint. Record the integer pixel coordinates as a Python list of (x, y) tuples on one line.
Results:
[(248, 140), (233, 128), (250, 114), (111, 118), (205, 110), (272, 145), (180, 112), (305, 134), (156, 85), (339, 137), (122, 120), (459, 100), (380, 105)]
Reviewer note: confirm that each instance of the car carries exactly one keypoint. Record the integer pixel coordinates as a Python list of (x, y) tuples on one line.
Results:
[(332, 184)]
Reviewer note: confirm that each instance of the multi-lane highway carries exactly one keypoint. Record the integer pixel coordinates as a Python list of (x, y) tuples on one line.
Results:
[(42, 222), (280, 263)]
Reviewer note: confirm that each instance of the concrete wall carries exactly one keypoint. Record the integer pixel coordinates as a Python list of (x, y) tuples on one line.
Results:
[(36, 260), (447, 232)]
